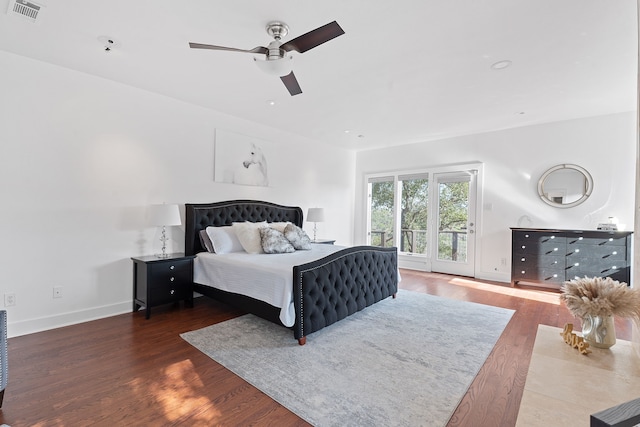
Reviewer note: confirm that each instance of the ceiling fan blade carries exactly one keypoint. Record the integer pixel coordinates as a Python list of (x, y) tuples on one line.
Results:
[(291, 84), (314, 38), (259, 49)]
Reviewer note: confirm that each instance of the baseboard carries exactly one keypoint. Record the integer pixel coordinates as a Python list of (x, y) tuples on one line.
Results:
[(498, 276), (30, 326)]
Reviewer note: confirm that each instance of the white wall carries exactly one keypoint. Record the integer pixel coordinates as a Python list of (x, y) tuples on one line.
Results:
[(513, 162), (81, 159)]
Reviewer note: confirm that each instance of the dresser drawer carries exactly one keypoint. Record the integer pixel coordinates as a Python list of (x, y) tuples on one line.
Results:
[(584, 252), (545, 275), (168, 292), (166, 273), (540, 244), (597, 241), (533, 261)]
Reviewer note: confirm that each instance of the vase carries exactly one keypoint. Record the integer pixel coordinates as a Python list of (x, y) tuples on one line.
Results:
[(599, 331)]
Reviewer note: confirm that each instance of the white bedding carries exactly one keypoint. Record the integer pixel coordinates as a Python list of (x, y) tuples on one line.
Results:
[(265, 277)]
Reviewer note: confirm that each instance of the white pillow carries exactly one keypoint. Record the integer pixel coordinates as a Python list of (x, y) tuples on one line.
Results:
[(224, 240), (249, 235), (278, 225)]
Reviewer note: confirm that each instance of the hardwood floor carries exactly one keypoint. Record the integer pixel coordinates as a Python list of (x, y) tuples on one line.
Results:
[(128, 371)]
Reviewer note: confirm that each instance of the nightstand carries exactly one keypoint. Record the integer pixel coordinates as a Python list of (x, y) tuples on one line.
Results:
[(158, 281), (324, 241)]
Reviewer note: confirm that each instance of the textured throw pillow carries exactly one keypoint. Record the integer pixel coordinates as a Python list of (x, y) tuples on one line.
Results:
[(274, 242), (297, 237), (249, 235), (205, 241), (224, 240)]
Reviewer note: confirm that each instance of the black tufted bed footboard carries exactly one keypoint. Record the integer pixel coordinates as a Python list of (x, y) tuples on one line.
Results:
[(337, 286), (325, 291)]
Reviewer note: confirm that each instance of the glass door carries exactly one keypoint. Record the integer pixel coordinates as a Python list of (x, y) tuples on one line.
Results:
[(453, 245), (381, 212)]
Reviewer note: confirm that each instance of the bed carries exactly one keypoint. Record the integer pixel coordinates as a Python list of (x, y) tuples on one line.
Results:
[(325, 290)]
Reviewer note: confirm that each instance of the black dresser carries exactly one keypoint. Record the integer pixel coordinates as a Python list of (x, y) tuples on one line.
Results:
[(551, 257)]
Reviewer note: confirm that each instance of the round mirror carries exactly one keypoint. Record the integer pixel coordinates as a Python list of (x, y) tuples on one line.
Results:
[(564, 186)]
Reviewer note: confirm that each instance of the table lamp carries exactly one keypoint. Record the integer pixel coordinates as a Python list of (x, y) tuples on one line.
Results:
[(315, 215), (164, 216)]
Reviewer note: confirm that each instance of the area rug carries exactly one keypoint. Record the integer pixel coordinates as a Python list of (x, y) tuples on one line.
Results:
[(401, 362)]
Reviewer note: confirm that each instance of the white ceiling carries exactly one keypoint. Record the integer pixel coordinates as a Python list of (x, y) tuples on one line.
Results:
[(405, 71)]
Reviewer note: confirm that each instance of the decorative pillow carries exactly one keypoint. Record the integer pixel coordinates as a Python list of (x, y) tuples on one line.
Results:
[(278, 225), (205, 241), (297, 237), (274, 242), (249, 235), (224, 240)]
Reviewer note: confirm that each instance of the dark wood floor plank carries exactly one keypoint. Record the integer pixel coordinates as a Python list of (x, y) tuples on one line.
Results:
[(128, 371)]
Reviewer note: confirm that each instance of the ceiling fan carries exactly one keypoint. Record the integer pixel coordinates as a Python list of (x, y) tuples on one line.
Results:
[(277, 61)]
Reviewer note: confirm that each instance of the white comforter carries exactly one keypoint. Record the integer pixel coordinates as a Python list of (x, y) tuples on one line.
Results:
[(265, 277)]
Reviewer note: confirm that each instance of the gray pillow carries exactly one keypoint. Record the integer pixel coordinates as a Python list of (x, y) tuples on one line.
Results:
[(274, 242), (297, 237), (205, 241)]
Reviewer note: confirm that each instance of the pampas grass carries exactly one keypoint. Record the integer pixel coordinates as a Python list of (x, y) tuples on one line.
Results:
[(600, 297)]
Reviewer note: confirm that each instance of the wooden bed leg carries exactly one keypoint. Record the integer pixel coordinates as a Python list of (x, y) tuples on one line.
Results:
[(302, 341), (394, 296)]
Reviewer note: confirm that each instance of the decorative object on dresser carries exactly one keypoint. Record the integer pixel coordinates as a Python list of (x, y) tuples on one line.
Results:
[(164, 216), (315, 215), (595, 301), (549, 257), (158, 281)]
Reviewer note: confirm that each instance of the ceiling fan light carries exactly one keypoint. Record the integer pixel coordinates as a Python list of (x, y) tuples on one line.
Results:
[(277, 67)]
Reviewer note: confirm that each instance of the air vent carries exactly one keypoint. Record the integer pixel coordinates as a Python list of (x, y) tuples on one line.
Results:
[(24, 9)]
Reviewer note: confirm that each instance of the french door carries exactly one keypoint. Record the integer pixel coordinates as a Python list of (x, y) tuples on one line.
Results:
[(454, 227), (429, 215)]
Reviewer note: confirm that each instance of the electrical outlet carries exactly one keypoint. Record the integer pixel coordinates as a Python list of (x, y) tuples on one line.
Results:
[(9, 300), (57, 291)]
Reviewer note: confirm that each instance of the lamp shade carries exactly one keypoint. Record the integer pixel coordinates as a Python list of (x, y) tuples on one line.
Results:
[(315, 215), (164, 215)]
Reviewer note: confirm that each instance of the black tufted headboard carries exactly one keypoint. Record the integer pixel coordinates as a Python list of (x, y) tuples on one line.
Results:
[(202, 215)]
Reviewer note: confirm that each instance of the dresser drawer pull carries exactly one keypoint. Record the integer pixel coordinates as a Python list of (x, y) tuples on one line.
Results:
[(523, 259), (172, 279), (172, 291), (172, 267), (524, 246)]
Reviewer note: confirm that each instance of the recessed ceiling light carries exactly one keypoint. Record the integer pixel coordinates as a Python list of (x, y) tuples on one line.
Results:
[(271, 102), (501, 65), (347, 131)]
